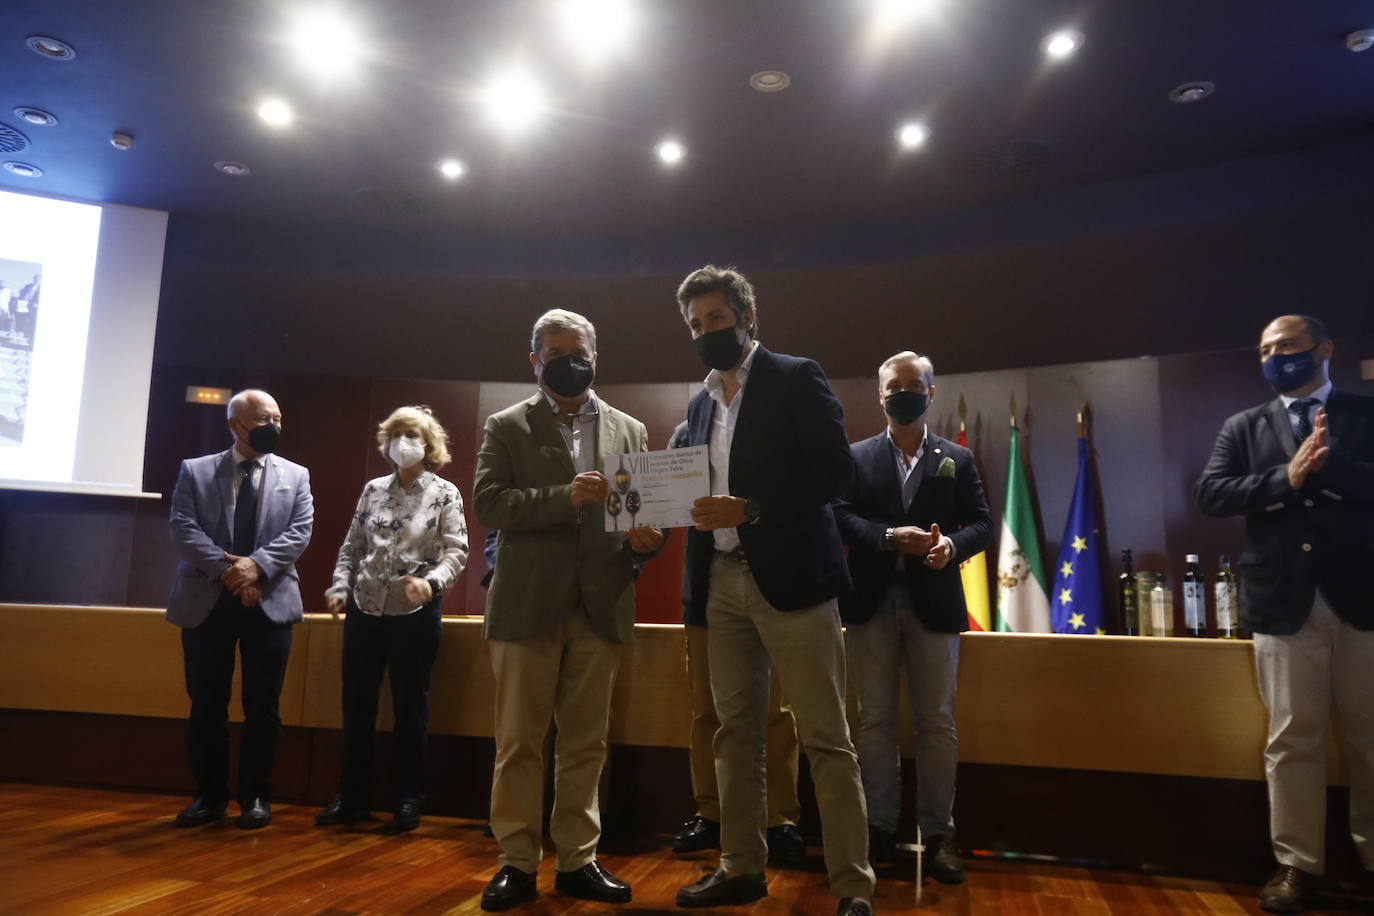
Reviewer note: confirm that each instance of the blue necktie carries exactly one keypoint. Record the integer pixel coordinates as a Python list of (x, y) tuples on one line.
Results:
[(246, 513), (1301, 407)]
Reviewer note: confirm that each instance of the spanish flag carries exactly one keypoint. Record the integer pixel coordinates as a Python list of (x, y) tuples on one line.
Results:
[(974, 573)]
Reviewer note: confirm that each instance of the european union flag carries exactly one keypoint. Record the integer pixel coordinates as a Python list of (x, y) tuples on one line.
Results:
[(1076, 597)]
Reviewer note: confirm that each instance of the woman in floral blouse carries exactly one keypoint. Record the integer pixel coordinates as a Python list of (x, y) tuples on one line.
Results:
[(404, 549)]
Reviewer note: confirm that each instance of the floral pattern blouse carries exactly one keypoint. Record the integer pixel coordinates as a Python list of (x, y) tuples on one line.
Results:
[(397, 532)]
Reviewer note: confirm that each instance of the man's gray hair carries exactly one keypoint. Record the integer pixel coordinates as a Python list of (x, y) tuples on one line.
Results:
[(739, 292), (923, 366), (561, 320), (240, 400)]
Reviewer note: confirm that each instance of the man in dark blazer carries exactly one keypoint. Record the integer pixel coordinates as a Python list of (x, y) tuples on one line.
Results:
[(1300, 468), (240, 519), (916, 510), (765, 565)]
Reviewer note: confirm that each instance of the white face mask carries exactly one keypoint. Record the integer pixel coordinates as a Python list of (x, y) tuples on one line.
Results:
[(406, 452)]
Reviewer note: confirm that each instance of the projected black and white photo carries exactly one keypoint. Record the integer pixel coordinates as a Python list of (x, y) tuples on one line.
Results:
[(21, 287)]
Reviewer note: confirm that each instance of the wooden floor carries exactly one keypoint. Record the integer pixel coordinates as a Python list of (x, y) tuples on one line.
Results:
[(90, 851)]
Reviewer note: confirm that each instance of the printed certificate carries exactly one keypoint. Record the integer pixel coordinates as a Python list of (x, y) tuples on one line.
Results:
[(656, 488)]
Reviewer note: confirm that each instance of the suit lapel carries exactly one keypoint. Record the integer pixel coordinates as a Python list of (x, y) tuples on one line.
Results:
[(885, 471), (699, 427), (756, 394), (922, 469), (1283, 430), (544, 430), (606, 441), (224, 484), (271, 479), (1335, 422)]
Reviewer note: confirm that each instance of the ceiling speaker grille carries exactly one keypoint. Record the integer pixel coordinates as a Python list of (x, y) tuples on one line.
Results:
[(11, 140)]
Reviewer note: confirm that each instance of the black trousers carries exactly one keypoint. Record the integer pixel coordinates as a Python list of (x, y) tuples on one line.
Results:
[(406, 647), (208, 652)]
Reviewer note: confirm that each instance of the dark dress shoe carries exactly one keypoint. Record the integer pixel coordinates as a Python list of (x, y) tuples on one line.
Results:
[(1289, 891), (592, 882), (407, 816), (697, 833), (854, 906), (785, 844), (254, 813), (882, 846), (507, 888), (336, 812), (943, 862), (200, 812), (715, 889)]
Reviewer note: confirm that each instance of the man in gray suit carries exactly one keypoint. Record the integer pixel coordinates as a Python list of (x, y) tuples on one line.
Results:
[(240, 519), (560, 605)]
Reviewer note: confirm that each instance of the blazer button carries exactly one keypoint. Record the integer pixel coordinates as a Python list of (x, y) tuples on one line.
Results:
[(1308, 503), (1307, 547)]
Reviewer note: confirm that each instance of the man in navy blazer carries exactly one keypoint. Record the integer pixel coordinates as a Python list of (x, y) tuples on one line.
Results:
[(765, 565), (1300, 468), (915, 511), (240, 518)]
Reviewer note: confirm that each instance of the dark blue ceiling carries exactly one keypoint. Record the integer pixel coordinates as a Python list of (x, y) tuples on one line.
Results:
[(183, 78)]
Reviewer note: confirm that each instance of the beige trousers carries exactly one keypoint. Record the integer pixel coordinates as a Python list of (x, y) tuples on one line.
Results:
[(806, 647), (566, 677), (780, 740), (1328, 662)]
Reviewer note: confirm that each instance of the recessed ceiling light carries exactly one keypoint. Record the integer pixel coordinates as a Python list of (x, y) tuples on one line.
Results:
[(49, 47), (593, 27), (275, 112), (24, 169), (1191, 92), (1361, 40), (324, 42), (513, 100), (230, 167), (670, 152), (769, 81), (35, 116), (912, 135), (122, 140), (1059, 45), (451, 169)]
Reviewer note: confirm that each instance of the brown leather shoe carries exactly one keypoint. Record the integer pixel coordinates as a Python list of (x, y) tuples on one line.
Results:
[(1289, 891)]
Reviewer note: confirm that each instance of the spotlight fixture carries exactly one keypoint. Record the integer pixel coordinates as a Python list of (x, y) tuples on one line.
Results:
[(35, 116), (593, 27), (275, 112), (912, 135), (324, 42), (122, 140), (49, 47), (670, 152), (1059, 45), (1361, 40), (513, 100), (230, 167), (451, 169), (24, 169), (769, 81), (1191, 92)]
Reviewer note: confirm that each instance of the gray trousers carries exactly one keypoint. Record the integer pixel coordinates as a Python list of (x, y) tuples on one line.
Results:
[(806, 647), (1300, 678), (878, 650)]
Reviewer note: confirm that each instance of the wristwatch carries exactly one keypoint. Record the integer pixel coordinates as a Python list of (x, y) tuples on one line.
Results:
[(890, 539), (434, 586), (752, 510)]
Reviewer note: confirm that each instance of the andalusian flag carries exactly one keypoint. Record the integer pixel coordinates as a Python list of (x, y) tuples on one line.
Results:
[(1022, 605), (1077, 606), (974, 570)]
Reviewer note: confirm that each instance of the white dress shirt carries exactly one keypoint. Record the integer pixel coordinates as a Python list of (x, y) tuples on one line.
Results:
[(723, 421), (239, 458), (582, 431), (1321, 396)]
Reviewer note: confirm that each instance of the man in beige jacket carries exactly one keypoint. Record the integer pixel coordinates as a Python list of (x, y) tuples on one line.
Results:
[(560, 605)]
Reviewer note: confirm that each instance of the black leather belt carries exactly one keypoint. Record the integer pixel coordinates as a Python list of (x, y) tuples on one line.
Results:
[(737, 555)]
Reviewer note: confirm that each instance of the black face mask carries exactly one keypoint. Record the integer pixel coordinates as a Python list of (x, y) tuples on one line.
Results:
[(568, 376), (265, 439), (906, 406), (719, 349)]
